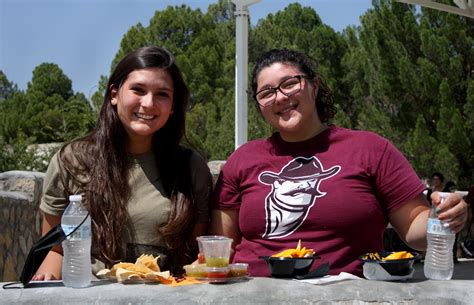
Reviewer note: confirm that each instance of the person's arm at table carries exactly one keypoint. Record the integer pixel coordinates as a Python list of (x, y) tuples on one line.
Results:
[(51, 267), (199, 229), (411, 218), (226, 223)]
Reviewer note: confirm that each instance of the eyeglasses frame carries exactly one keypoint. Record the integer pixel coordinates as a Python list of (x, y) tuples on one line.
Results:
[(298, 76)]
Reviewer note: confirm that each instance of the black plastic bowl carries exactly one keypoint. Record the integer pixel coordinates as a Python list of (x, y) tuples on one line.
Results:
[(398, 267), (289, 266)]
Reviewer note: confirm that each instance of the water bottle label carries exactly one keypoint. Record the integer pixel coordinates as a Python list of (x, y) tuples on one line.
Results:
[(81, 233), (435, 226)]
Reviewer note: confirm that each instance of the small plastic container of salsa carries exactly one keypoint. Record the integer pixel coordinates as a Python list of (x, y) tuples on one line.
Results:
[(197, 270), (218, 272), (238, 269)]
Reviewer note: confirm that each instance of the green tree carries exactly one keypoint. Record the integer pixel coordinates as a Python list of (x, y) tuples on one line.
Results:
[(409, 75), (21, 154), (419, 148), (48, 111), (7, 88), (402, 73), (13, 117), (78, 118), (135, 38), (49, 79), (469, 123), (384, 86), (55, 113), (98, 96)]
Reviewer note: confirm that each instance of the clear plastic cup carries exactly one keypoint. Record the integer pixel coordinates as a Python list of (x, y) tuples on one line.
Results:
[(199, 239), (218, 272), (197, 270), (238, 269), (216, 250), (204, 237)]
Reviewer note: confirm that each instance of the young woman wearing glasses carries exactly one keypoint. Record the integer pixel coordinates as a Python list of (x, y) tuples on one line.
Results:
[(334, 189)]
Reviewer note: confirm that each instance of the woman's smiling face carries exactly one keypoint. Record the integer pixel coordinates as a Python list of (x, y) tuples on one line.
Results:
[(295, 116), (144, 103)]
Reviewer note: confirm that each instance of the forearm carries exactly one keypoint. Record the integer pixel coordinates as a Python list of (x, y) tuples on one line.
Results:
[(51, 267), (199, 230), (411, 219), (226, 222), (410, 222), (415, 237)]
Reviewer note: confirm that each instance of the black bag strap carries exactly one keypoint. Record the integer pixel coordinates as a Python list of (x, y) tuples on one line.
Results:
[(59, 228), (49, 240), (78, 226)]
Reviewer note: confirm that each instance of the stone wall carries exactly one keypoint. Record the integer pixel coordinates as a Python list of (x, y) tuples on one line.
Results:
[(215, 168), (20, 192)]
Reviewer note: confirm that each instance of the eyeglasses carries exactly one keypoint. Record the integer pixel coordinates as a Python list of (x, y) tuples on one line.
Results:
[(290, 86)]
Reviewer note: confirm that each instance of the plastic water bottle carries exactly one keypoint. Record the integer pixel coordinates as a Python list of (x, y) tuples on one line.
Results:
[(77, 270), (439, 254)]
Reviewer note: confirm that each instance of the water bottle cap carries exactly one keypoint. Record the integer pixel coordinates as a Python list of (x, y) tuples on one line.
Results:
[(75, 197)]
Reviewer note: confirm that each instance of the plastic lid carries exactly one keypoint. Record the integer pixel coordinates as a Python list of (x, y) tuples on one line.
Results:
[(75, 197), (240, 266)]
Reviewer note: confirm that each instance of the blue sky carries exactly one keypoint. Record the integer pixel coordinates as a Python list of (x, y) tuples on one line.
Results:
[(83, 36)]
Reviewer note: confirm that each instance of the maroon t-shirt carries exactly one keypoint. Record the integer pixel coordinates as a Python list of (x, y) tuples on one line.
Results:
[(333, 192)]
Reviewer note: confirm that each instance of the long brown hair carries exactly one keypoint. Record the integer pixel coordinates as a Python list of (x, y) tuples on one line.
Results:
[(102, 157)]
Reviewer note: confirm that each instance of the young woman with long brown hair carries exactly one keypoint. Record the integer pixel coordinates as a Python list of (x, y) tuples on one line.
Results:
[(146, 193)]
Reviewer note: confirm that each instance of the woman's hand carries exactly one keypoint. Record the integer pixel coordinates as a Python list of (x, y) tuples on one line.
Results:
[(200, 259), (451, 211), (51, 267), (44, 277)]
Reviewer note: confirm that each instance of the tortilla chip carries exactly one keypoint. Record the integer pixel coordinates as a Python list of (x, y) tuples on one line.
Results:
[(145, 269)]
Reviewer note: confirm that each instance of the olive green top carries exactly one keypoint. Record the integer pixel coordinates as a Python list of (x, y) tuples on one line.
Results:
[(147, 207)]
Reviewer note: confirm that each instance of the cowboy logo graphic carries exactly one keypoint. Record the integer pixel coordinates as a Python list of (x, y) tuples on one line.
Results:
[(294, 191)]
